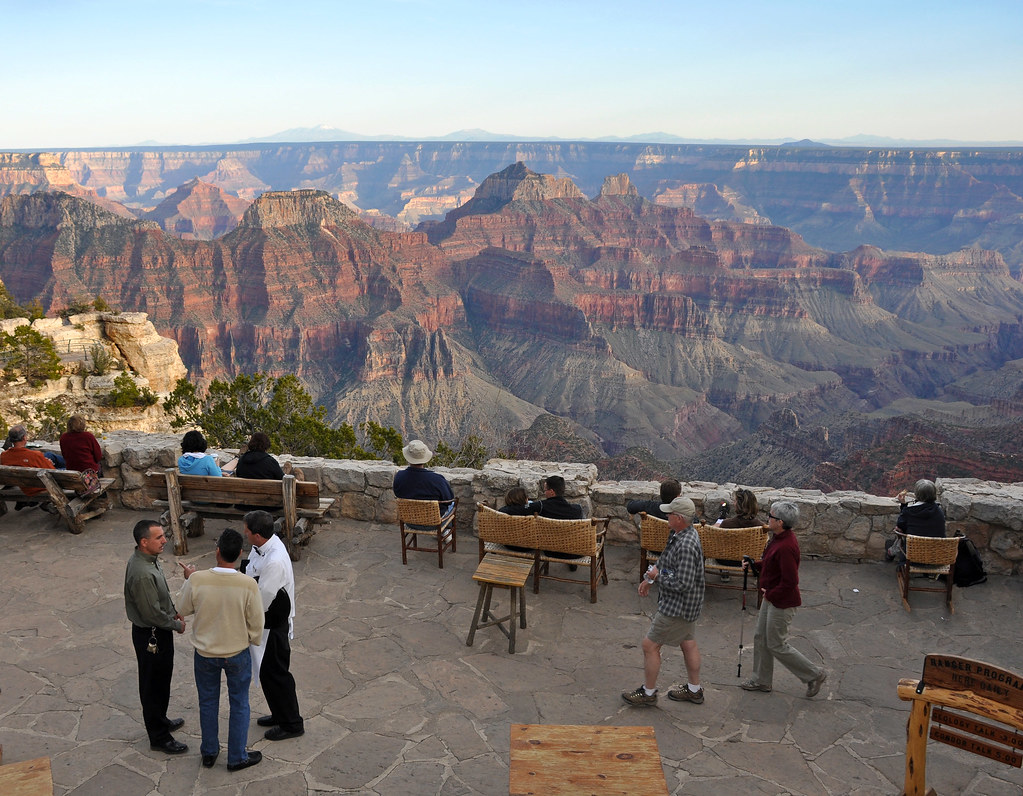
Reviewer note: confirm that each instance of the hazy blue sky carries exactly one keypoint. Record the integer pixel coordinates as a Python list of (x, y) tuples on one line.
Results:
[(120, 72)]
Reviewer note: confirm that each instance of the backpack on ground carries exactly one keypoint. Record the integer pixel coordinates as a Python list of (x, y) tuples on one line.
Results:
[(969, 569)]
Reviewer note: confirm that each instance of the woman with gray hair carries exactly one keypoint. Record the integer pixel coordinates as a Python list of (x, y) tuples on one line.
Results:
[(922, 517), (779, 583)]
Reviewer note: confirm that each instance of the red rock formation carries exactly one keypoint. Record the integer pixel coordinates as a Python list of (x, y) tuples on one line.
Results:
[(198, 211)]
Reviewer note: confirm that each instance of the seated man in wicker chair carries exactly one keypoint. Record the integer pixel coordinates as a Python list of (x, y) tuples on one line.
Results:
[(415, 482)]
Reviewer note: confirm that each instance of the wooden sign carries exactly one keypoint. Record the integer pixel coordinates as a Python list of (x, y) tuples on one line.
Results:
[(983, 679), (966, 724), (968, 744)]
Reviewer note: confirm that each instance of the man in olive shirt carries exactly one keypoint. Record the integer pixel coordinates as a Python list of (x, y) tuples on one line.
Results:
[(151, 611)]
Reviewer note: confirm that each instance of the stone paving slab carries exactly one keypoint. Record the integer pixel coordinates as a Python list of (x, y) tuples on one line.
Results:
[(396, 703)]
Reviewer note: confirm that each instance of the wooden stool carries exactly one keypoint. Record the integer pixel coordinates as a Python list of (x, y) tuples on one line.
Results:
[(506, 573), (28, 778)]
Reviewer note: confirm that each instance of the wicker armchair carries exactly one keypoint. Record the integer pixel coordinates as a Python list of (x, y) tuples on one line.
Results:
[(721, 545), (498, 530), (422, 518), (581, 540), (653, 536), (927, 555)]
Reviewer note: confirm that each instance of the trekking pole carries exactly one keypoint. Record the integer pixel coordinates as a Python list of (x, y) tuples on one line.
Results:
[(742, 621)]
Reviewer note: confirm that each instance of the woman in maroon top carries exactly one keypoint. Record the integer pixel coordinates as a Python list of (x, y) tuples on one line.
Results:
[(779, 583), (79, 448)]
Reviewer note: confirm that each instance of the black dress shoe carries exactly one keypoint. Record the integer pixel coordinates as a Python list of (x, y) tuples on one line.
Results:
[(170, 747), (175, 724), (209, 760), (281, 734), (253, 759), (267, 721)]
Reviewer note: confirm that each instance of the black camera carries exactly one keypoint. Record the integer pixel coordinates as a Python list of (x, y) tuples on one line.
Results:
[(723, 510)]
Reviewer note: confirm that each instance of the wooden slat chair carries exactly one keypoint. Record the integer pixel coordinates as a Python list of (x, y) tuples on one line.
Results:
[(931, 556), (426, 515), (582, 539), (497, 530), (731, 544), (653, 536)]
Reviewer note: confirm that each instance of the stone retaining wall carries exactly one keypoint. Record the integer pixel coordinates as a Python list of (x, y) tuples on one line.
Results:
[(842, 526)]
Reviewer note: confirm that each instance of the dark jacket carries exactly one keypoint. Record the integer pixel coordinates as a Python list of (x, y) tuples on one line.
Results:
[(557, 508), (259, 464), (531, 508), (922, 519), (418, 483), (739, 522), (651, 507)]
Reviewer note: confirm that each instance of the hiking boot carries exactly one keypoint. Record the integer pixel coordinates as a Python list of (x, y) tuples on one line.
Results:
[(814, 685), (725, 577), (753, 685), (683, 694), (640, 698)]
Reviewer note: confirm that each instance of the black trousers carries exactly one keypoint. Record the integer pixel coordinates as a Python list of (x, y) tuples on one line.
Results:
[(155, 670), (277, 682)]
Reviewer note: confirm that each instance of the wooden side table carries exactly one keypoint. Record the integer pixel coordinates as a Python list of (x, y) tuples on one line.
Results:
[(506, 573), (553, 759)]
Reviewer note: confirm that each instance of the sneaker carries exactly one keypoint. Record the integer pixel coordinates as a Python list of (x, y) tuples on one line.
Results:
[(683, 694), (753, 685), (639, 697), (814, 686)]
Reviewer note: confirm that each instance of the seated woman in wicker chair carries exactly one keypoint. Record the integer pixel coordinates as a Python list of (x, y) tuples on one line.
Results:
[(922, 517), (746, 508)]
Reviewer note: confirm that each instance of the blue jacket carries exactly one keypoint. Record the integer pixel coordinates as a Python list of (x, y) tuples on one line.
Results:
[(190, 465)]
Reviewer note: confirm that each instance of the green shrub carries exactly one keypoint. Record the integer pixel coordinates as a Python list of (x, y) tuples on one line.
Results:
[(127, 393), (29, 354), (52, 421), (98, 360)]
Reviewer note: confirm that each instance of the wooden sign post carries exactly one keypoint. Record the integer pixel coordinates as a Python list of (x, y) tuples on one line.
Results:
[(970, 688)]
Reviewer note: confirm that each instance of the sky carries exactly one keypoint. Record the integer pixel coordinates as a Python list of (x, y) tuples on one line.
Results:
[(98, 73)]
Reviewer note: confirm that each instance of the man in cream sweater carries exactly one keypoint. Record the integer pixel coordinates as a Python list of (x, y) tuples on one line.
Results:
[(228, 618)]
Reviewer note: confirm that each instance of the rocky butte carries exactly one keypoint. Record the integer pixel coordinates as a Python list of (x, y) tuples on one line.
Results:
[(643, 322)]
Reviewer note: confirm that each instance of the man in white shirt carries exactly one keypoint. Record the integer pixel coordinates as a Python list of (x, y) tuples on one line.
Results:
[(270, 564)]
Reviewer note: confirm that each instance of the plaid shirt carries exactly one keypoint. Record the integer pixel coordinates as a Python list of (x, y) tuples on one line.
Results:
[(680, 576)]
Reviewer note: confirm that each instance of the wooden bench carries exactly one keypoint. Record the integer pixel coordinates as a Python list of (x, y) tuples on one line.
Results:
[(63, 489), (190, 498)]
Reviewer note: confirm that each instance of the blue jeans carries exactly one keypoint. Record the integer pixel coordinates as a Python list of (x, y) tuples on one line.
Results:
[(238, 669)]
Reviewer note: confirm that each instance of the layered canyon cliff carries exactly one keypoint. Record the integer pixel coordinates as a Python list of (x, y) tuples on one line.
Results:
[(643, 322)]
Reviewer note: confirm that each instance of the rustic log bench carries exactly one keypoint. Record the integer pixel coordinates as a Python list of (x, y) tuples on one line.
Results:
[(63, 489), (190, 498)]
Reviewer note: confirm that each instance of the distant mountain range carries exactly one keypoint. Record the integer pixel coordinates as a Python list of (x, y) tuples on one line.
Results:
[(325, 132)]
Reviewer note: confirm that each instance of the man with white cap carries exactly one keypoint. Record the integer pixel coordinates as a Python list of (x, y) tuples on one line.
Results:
[(415, 482), (679, 576)]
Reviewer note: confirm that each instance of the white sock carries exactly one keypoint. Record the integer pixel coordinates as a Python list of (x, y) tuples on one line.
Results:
[(649, 691), (693, 688)]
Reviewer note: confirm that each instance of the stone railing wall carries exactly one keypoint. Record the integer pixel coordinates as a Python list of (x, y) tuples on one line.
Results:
[(843, 526)]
